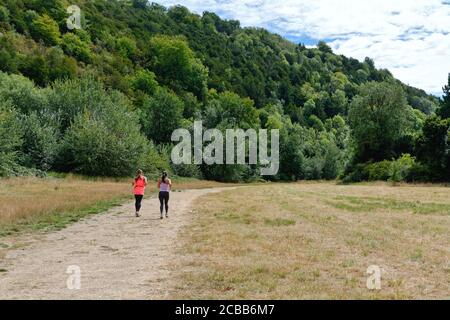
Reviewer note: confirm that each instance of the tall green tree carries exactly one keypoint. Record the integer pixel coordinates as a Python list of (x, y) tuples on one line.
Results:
[(46, 29), (444, 111), (377, 118), (11, 139), (433, 147), (177, 66), (161, 115)]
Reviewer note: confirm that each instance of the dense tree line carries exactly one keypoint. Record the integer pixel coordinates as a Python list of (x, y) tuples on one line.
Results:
[(105, 99)]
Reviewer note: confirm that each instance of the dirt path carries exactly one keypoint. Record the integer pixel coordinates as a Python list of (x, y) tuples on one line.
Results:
[(119, 256)]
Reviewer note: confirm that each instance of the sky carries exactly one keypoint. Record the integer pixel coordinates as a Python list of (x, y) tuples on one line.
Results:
[(411, 38)]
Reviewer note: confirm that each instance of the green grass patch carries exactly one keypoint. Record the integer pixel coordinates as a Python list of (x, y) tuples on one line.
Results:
[(244, 218), (279, 222), (54, 221), (366, 204)]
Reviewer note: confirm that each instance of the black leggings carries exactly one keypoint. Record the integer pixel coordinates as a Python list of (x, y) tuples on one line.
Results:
[(164, 200), (138, 198)]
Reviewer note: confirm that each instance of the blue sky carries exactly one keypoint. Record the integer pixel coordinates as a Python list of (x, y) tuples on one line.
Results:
[(409, 37)]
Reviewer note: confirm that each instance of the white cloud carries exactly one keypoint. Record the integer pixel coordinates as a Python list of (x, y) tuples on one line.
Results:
[(410, 38)]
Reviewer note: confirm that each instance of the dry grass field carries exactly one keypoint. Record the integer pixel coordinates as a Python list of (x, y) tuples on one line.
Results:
[(316, 241), (35, 204)]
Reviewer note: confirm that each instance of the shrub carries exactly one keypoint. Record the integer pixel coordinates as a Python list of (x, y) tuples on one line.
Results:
[(69, 98), (315, 122), (187, 170), (400, 168), (101, 135), (21, 92), (225, 173), (8, 54), (10, 139), (4, 14), (40, 145), (419, 172), (144, 81), (103, 146), (126, 47), (378, 171), (75, 47), (154, 162), (59, 65), (46, 29), (356, 173), (161, 115)]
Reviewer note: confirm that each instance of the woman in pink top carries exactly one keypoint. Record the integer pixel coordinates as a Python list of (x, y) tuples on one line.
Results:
[(139, 184), (164, 186)]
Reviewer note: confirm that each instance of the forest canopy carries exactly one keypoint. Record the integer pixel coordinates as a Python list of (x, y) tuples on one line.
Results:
[(104, 99)]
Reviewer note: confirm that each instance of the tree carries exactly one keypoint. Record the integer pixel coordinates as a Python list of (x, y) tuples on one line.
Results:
[(10, 138), (9, 59), (75, 47), (54, 8), (46, 29), (161, 115), (444, 111), (433, 147), (292, 159), (144, 81), (228, 110), (141, 4), (4, 14), (40, 142), (59, 65), (105, 143), (315, 122), (177, 66), (67, 99), (126, 47), (324, 47), (21, 93), (377, 120)]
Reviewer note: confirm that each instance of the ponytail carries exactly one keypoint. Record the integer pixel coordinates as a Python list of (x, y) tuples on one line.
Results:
[(164, 176), (138, 174)]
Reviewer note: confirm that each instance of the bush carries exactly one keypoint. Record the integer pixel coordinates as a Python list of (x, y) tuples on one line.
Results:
[(315, 122), (46, 29), (144, 81), (187, 170), (40, 145), (395, 170), (4, 14), (75, 47), (22, 93), (154, 162), (400, 168), (103, 146), (69, 98), (355, 173), (10, 139), (225, 173), (59, 65), (433, 147), (419, 172), (161, 115), (8, 53), (126, 47), (101, 134), (378, 171)]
